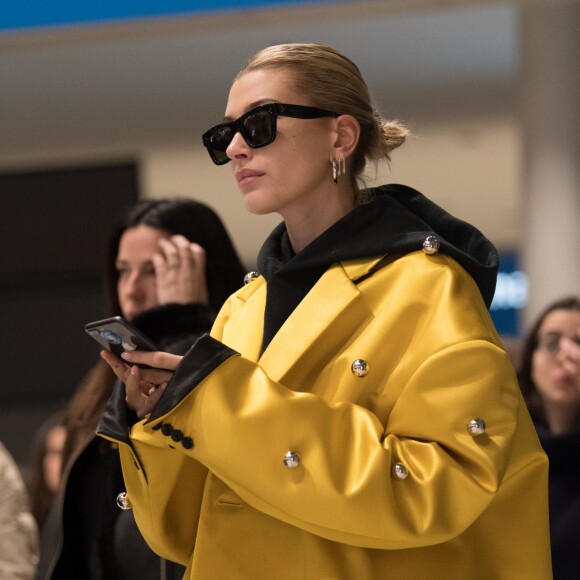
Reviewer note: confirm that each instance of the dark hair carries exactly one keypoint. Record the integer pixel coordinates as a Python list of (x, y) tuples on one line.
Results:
[(199, 224), (527, 385)]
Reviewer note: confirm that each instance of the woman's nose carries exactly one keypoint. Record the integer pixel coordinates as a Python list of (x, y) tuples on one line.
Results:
[(132, 284), (237, 147)]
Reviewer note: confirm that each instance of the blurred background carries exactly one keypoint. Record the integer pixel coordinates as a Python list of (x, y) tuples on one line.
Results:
[(104, 103)]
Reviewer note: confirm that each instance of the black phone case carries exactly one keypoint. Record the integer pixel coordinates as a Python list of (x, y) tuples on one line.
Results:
[(117, 335)]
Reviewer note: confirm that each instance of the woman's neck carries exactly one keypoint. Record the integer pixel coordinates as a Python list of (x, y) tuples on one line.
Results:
[(305, 223), (561, 419)]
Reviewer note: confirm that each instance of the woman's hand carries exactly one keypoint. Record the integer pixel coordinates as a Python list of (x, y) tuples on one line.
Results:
[(180, 271), (143, 387), (569, 357)]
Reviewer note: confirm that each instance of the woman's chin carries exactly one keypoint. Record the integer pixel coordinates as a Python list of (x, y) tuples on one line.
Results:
[(257, 206)]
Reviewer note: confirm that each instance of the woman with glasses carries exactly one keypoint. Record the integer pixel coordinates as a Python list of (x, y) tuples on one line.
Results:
[(549, 375), (352, 414)]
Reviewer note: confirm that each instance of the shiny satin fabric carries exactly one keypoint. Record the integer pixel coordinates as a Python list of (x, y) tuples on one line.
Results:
[(470, 505)]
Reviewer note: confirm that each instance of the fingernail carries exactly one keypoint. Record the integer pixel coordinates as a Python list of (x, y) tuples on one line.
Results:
[(126, 355)]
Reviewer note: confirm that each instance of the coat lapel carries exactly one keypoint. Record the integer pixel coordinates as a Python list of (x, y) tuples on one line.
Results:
[(325, 319), (245, 325)]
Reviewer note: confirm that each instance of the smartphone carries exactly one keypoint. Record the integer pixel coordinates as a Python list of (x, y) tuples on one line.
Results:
[(117, 335)]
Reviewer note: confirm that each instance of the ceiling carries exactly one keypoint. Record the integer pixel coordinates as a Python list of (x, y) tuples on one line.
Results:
[(154, 80)]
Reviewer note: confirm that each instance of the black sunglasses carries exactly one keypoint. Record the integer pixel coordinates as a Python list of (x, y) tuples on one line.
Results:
[(258, 127)]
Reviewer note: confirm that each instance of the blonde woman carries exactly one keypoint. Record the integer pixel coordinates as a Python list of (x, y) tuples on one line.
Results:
[(352, 414)]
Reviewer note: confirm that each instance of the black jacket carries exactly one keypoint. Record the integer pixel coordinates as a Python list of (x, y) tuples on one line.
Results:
[(563, 452)]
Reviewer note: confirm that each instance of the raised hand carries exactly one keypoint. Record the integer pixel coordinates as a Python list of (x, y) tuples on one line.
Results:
[(569, 356), (180, 271)]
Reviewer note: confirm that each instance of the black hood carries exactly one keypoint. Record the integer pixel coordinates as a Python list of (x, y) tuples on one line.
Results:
[(395, 221)]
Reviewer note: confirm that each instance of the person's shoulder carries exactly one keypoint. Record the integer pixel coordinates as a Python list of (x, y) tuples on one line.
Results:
[(417, 278), (10, 475), (438, 272), (414, 265), (6, 460)]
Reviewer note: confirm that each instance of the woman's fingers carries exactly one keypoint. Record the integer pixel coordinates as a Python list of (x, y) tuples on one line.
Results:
[(162, 365), (143, 387), (170, 252), (175, 253), (118, 366), (141, 395), (155, 393), (569, 356), (158, 360), (180, 271)]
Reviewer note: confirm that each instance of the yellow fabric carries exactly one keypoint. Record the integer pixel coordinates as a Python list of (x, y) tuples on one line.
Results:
[(471, 507)]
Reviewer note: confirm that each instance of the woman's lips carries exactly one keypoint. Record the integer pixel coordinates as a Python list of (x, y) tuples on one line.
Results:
[(247, 176)]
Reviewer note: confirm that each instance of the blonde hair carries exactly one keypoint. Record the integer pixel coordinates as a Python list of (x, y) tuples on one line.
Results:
[(334, 82)]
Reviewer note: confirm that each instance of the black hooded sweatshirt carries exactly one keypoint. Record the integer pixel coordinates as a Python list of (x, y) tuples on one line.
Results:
[(395, 222)]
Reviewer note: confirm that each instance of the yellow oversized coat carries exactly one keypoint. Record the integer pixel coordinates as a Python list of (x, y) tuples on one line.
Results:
[(387, 481)]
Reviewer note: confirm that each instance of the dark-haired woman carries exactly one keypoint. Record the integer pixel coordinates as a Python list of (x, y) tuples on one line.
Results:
[(171, 266), (549, 375)]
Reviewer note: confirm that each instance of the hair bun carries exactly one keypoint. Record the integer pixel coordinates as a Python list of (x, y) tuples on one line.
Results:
[(392, 135)]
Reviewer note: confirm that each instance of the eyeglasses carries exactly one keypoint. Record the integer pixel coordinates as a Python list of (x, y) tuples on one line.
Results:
[(550, 343), (258, 127)]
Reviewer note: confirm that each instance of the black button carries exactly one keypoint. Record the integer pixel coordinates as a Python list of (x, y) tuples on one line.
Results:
[(167, 429), (177, 435), (187, 442), (158, 426)]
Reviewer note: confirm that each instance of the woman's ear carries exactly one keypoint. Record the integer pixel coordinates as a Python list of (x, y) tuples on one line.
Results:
[(347, 136)]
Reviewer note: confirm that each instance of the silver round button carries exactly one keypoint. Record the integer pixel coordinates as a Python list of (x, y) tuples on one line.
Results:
[(291, 460), (431, 245), (400, 471), (250, 276), (123, 502), (476, 427), (360, 367)]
